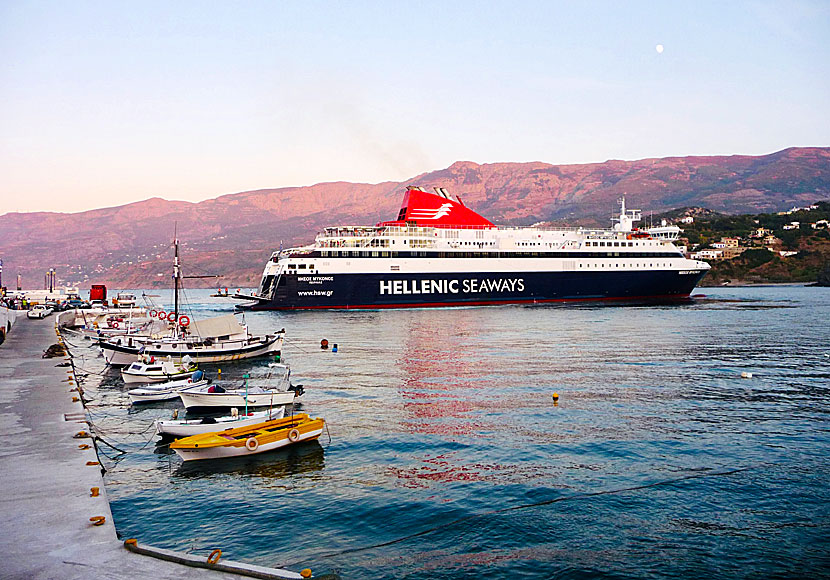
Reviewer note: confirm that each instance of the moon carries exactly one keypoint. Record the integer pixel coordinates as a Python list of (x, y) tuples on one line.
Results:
[(659, 49)]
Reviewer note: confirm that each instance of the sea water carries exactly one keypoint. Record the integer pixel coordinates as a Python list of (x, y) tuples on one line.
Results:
[(446, 455)]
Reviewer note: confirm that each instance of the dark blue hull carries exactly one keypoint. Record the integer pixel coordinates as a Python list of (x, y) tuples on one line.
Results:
[(394, 290)]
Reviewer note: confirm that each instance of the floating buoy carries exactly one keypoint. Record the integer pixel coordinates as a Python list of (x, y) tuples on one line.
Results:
[(94, 491), (324, 344), (556, 396), (334, 348), (746, 375), (214, 556), (305, 572), (98, 520)]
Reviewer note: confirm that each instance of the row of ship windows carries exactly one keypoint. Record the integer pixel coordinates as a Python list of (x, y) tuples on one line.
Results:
[(417, 254), (624, 265), (618, 244)]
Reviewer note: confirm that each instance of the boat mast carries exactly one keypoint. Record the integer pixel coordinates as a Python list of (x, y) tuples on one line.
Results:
[(176, 276)]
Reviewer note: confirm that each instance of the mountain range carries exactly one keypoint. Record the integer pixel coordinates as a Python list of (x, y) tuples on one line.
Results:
[(128, 246)]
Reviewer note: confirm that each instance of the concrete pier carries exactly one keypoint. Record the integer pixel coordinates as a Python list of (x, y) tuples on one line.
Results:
[(46, 477)]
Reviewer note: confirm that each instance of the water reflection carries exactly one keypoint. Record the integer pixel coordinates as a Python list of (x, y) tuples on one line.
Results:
[(304, 458)]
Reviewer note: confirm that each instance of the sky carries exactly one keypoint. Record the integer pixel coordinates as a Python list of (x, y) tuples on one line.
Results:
[(111, 102)]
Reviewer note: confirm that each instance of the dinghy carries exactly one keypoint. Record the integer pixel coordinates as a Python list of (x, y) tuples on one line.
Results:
[(250, 440), (166, 391)]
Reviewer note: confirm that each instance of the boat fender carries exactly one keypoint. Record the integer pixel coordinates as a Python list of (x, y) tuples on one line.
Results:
[(294, 435), (184, 320), (171, 317), (251, 444), (214, 556)]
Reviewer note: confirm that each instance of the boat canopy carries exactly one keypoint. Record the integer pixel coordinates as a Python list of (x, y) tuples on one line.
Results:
[(226, 325)]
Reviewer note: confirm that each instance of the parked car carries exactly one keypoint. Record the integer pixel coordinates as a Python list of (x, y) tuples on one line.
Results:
[(39, 311)]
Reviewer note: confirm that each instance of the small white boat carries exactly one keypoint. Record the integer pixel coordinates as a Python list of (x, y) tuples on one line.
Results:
[(151, 370), (163, 391), (241, 397), (188, 427), (257, 438), (213, 396)]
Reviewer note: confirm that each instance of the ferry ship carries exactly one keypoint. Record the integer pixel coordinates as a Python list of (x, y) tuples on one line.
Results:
[(439, 252)]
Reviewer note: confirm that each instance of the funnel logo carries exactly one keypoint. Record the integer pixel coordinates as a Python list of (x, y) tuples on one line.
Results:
[(431, 214)]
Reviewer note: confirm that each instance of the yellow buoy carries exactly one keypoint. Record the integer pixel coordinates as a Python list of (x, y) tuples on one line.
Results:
[(556, 396), (306, 573)]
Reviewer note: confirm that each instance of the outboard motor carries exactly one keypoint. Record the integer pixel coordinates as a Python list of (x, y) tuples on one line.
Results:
[(297, 389)]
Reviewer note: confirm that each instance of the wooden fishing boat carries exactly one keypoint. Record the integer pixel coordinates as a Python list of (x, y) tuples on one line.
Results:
[(250, 440), (188, 427)]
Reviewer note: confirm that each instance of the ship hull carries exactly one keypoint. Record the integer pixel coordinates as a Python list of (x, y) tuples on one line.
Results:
[(419, 290)]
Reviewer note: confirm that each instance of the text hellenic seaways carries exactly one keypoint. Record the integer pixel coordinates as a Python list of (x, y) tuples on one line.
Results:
[(469, 286)]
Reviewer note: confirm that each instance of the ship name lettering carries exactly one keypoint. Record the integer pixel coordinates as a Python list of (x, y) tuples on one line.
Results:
[(444, 286)]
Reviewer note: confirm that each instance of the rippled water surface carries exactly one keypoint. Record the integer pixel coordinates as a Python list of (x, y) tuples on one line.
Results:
[(449, 459)]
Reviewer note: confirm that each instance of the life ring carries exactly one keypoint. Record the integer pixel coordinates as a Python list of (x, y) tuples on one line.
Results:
[(184, 320), (171, 317), (214, 556), (114, 324), (162, 314), (294, 435), (251, 444), (153, 313)]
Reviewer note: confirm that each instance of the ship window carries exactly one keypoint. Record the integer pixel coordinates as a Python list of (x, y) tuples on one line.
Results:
[(374, 254), (301, 267), (292, 266)]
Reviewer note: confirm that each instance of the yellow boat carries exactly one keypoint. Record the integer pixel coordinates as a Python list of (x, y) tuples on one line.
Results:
[(250, 440)]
